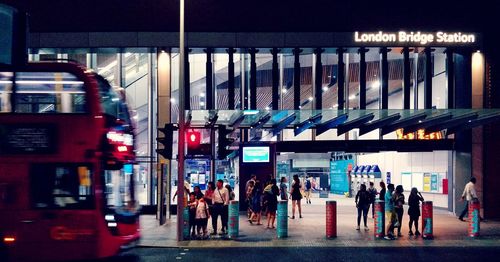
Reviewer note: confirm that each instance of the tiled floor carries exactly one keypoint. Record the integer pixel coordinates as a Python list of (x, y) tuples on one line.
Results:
[(310, 231)]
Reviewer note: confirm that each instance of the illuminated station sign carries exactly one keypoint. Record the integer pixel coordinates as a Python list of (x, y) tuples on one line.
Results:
[(418, 38)]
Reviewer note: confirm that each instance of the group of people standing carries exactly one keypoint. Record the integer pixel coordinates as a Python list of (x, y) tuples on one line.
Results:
[(213, 204), (394, 200), (265, 199)]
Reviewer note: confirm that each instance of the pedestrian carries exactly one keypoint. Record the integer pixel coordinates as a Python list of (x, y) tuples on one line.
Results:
[(256, 204), (363, 201), (296, 195), (414, 210), (197, 192), (468, 195), (373, 195), (283, 189), (390, 214), (253, 178), (220, 207), (192, 214), (307, 191), (272, 192), (187, 190), (399, 201), (201, 219), (209, 195), (249, 198), (232, 196), (381, 195)]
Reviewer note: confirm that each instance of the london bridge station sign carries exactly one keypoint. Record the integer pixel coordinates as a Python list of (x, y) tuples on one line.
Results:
[(416, 38)]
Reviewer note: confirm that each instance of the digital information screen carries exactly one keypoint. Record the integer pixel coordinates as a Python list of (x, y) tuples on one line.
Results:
[(256, 154)]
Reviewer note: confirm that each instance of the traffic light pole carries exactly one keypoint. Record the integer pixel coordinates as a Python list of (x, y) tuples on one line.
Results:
[(181, 137)]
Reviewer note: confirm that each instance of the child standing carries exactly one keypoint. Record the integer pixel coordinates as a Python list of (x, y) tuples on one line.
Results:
[(192, 213), (202, 215)]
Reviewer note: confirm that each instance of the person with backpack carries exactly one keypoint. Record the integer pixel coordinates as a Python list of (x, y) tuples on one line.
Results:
[(307, 191), (201, 218), (363, 201)]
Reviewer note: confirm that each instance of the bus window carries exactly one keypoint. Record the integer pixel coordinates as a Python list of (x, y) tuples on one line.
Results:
[(120, 189), (61, 186), (5, 91), (49, 92), (111, 101)]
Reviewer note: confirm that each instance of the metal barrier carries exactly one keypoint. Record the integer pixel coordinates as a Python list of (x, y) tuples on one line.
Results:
[(427, 220), (234, 217), (282, 223), (474, 218), (331, 219), (379, 221)]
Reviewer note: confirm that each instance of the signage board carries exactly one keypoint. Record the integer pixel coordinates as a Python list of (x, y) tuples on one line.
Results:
[(419, 38), (28, 138), (256, 154)]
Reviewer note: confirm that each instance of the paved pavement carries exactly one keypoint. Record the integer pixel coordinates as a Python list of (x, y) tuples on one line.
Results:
[(310, 231)]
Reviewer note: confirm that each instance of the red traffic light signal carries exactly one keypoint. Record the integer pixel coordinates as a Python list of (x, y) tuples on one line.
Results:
[(193, 139)]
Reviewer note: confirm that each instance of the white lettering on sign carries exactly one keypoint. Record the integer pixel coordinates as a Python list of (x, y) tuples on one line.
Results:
[(420, 38)]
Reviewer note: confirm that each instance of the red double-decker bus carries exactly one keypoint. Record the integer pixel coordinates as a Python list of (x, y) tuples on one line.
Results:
[(66, 165)]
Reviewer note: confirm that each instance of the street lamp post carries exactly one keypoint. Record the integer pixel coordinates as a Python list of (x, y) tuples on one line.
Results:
[(181, 137)]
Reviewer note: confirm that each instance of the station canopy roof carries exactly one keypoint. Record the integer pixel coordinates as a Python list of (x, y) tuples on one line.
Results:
[(387, 121)]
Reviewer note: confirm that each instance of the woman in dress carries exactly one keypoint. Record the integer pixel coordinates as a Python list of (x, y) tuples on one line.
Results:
[(296, 195)]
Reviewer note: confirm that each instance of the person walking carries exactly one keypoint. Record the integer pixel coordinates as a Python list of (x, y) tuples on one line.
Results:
[(468, 195), (272, 192), (256, 204), (390, 214), (414, 210), (307, 191), (296, 196), (399, 201), (363, 201), (373, 195), (283, 189)]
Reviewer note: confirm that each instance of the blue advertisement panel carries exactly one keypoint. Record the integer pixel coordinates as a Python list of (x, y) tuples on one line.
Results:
[(256, 154), (339, 181)]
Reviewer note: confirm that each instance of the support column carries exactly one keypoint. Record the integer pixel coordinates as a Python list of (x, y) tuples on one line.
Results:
[(209, 79), (462, 164), (340, 79), (230, 78), (275, 79), (318, 83), (428, 78), (253, 79), (187, 82), (450, 77), (362, 78), (384, 79), (296, 79), (406, 78)]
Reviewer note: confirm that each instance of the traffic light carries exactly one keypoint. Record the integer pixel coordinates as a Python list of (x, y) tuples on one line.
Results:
[(193, 140), (224, 142), (166, 141)]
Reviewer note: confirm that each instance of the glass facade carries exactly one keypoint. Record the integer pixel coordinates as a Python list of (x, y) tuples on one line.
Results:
[(135, 69)]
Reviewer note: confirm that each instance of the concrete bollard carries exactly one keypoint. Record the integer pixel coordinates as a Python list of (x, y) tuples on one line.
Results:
[(234, 219), (379, 221), (474, 218), (427, 220), (185, 226), (282, 223)]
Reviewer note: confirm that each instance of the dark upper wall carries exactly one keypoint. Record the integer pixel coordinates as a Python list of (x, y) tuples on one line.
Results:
[(254, 15)]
